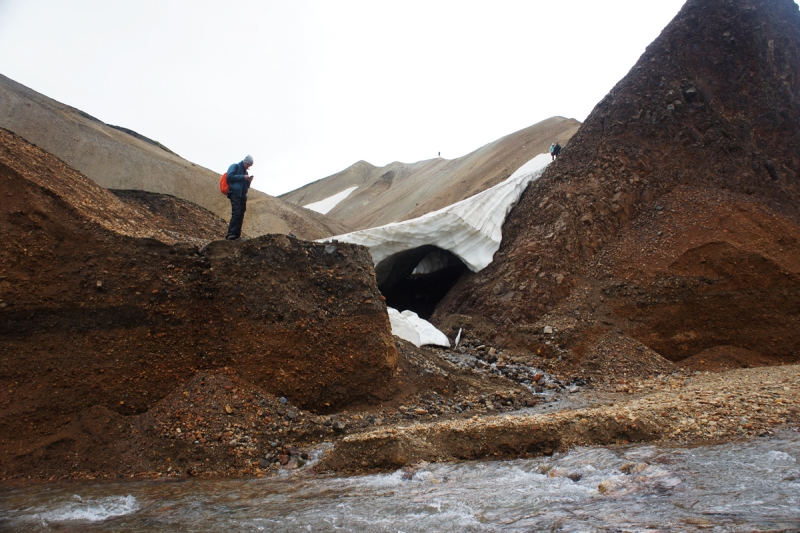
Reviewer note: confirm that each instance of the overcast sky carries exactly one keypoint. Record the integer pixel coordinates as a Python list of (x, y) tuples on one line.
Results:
[(310, 87)]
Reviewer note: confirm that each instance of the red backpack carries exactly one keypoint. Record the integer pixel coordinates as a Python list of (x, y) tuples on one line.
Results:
[(223, 184)]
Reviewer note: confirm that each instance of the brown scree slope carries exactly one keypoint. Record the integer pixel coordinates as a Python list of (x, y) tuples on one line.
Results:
[(175, 214), (401, 191), (672, 215), (117, 158), (100, 309)]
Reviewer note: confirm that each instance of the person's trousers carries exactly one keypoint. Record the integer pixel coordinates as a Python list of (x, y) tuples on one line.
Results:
[(238, 207)]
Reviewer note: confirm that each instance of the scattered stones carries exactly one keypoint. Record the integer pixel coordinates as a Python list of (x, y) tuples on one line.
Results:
[(707, 409)]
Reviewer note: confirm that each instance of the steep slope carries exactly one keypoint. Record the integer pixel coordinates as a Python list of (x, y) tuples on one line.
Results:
[(102, 318), (402, 191), (353, 176), (672, 215), (175, 215), (118, 158)]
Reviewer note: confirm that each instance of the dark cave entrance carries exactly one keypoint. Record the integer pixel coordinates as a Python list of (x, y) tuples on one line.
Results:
[(418, 279)]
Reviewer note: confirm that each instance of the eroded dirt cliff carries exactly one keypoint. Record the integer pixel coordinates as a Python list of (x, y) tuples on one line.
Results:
[(671, 217), (101, 309)]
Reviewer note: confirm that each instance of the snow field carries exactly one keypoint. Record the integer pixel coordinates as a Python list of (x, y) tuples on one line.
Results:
[(471, 229), (324, 206)]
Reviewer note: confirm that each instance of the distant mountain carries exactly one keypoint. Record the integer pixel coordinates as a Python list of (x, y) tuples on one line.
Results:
[(119, 158), (671, 222), (400, 191)]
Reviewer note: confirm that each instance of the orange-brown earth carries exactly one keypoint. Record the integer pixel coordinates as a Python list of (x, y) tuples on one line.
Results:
[(664, 242), (669, 226), (133, 346), (101, 309)]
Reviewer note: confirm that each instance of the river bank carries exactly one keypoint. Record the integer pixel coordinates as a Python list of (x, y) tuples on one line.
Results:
[(219, 425), (707, 407), (743, 486)]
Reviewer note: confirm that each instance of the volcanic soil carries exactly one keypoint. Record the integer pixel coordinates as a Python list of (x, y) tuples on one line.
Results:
[(641, 284), (669, 225), (128, 354), (176, 215), (105, 307), (133, 346)]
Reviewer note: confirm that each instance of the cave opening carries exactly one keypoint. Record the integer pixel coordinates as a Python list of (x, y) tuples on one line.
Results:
[(417, 280)]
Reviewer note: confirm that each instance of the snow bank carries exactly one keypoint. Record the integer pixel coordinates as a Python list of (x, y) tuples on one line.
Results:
[(471, 229), (323, 206), (407, 325)]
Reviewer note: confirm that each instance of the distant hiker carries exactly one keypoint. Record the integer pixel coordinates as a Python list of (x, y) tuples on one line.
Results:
[(238, 185), (552, 147), (556, 150)]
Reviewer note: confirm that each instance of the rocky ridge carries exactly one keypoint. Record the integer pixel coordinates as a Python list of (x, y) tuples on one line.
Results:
[(670, 220)]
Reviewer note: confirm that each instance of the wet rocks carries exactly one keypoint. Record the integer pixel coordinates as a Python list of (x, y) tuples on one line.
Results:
[(707, 408), (476, 356)]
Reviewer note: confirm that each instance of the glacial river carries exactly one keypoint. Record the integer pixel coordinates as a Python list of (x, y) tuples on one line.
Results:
[(751, 486)]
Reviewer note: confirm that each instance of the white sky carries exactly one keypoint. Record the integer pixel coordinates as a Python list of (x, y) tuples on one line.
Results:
[(310, 87)]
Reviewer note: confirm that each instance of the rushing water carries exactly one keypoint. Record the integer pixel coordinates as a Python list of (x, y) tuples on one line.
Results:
[(752, 486)]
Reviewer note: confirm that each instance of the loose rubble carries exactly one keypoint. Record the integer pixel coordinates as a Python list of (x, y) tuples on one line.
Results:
[(668, 409)]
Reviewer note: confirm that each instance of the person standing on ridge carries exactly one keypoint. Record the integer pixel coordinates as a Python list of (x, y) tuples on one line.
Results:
[(552, 147), (238, 185), (556, 151)]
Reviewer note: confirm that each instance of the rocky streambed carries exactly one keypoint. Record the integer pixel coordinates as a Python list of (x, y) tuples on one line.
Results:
[(738, 404)]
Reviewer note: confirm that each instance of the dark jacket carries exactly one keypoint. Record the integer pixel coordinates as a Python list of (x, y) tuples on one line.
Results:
[(238, 185)]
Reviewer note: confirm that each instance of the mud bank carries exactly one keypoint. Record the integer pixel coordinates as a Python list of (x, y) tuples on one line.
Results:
[(707, 407)]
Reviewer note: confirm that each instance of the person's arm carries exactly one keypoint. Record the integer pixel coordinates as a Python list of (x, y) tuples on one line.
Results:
[(232, 176)]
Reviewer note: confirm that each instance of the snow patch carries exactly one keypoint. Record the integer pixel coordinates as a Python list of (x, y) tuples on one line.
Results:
[(471, 229), (408, 326), (323, 206)]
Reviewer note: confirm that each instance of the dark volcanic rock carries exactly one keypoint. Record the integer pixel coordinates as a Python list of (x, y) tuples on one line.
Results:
[(671, 216)]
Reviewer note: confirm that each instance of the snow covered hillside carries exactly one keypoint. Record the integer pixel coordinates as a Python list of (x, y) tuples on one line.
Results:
[(403, 191), (323, 206), (470, 229)]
